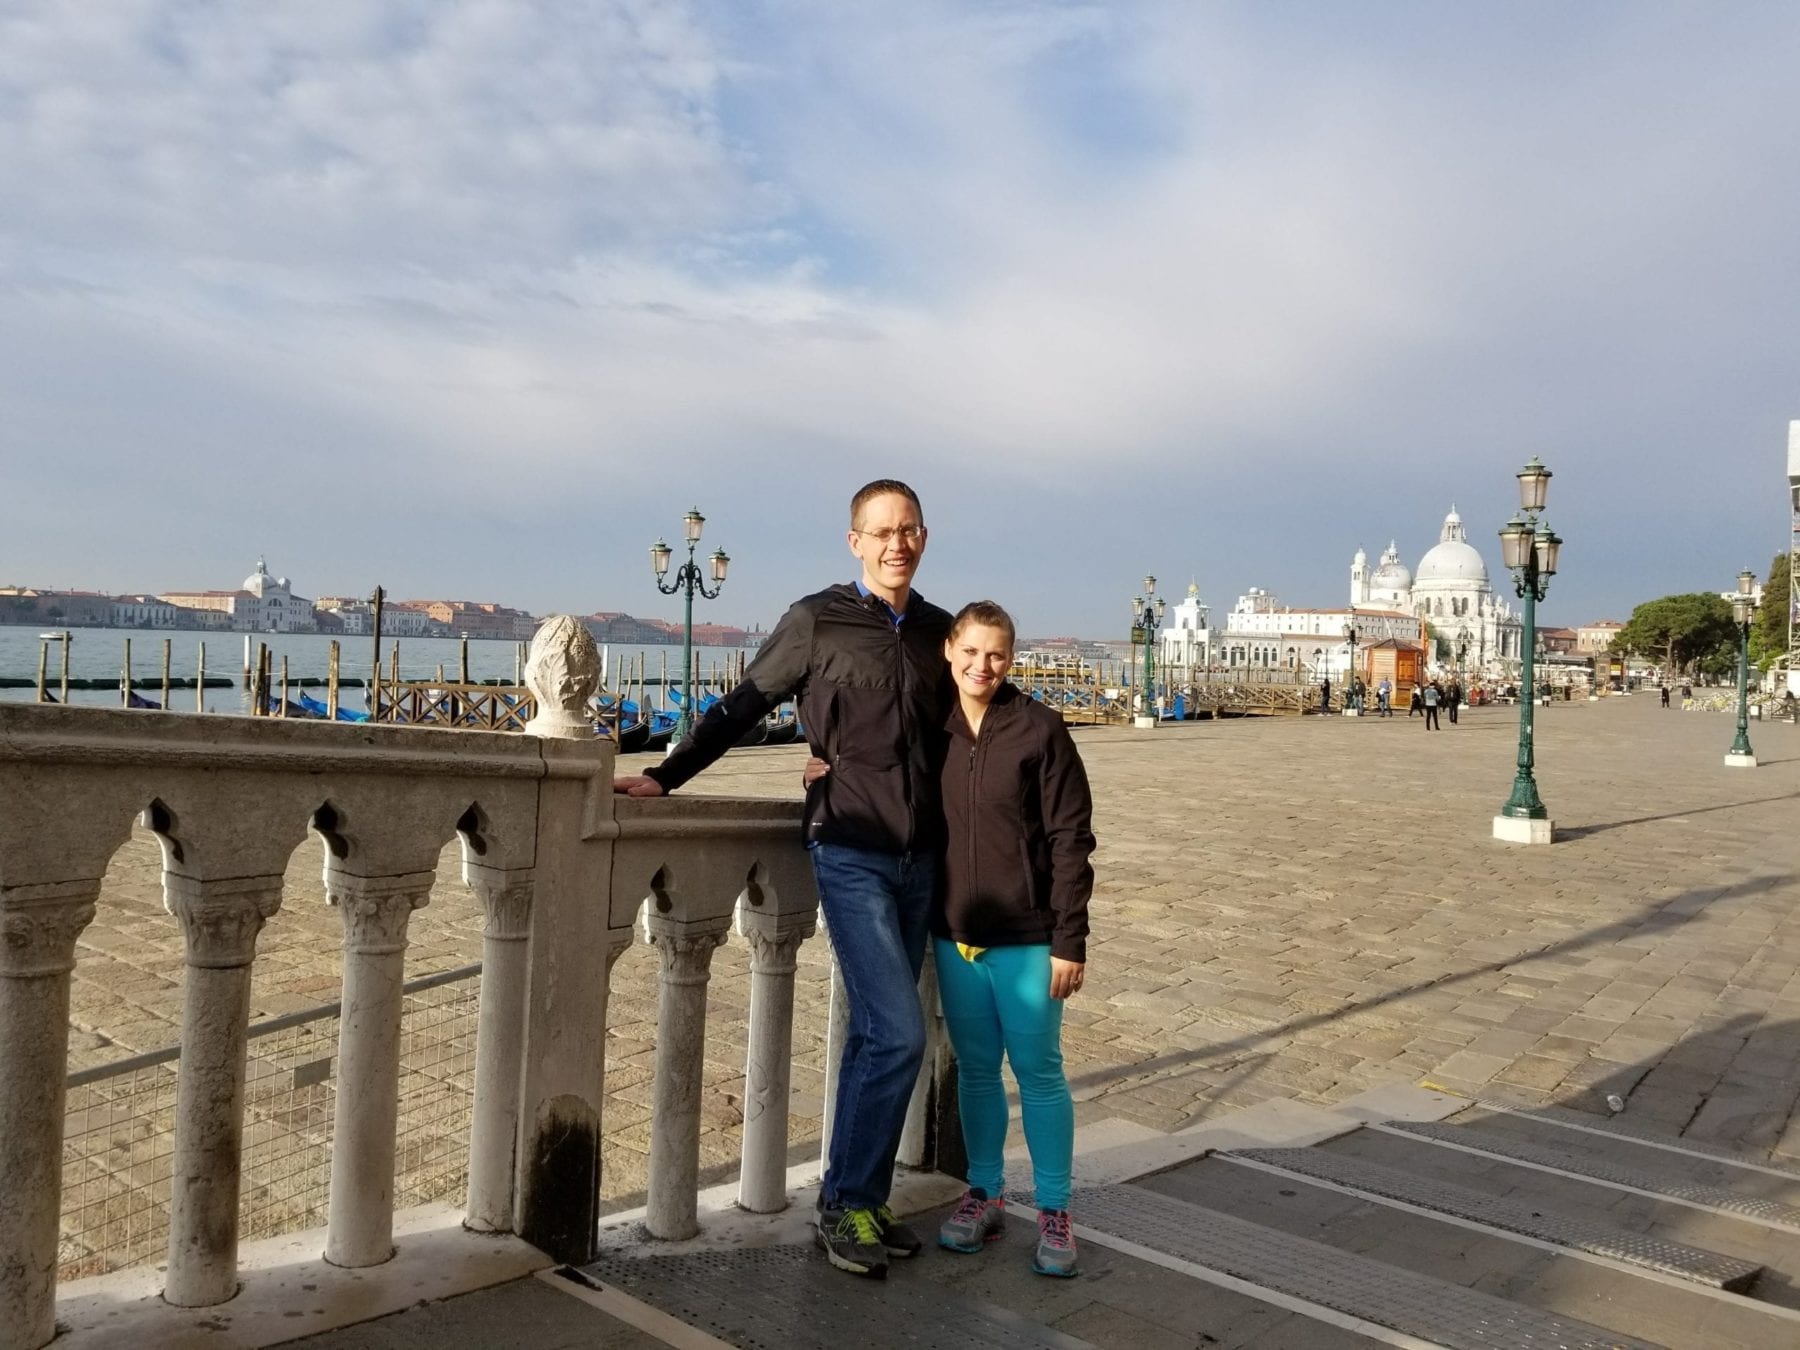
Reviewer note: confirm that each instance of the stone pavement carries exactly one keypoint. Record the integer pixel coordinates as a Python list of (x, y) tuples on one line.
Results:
[(1285, 908)]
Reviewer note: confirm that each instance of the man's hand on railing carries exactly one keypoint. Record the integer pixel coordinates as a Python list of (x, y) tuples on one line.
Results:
[(637, 786)]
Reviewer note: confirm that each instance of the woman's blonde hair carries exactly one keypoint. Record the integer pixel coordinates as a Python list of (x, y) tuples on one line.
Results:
[(988, 615)]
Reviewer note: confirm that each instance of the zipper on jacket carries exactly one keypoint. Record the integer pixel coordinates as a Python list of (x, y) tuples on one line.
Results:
[(969, 807)]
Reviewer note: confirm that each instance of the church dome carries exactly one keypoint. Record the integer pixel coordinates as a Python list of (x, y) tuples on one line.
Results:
[(1453, 561), (255, 582), (1392, 574)]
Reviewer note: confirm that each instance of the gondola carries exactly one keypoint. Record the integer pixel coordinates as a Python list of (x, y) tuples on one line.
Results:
[(135, 700), (782, 730), (316, 708), (662, 730)]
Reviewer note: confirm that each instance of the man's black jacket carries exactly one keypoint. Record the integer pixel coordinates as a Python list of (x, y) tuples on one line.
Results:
[(872, 697)]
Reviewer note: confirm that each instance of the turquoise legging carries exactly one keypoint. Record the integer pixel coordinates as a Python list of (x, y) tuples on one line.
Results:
[(1000, 1002)]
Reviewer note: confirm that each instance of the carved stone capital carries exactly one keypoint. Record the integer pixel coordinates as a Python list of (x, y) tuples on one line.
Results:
[(774, 949), (221, 919), (618, 942), (376, 909), (39, 925), (505, 901), (686, 957), (563, 672)]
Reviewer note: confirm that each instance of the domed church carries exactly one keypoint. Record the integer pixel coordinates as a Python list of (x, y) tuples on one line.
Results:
[(1450, 591)]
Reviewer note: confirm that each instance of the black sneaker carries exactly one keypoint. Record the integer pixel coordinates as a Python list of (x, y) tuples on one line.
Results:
[(897, 1239), (852, 1241)]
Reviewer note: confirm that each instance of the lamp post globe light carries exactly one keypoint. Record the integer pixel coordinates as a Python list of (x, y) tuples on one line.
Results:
[(686, 582), (1530, 549), (1146, 619), (1743, 610)]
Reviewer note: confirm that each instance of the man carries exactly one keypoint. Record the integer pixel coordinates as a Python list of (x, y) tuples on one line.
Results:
[(1383, 692), (1432, 698), (866, 664)]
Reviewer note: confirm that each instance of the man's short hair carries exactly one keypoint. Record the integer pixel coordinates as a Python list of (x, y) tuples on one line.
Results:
[(880, 488)]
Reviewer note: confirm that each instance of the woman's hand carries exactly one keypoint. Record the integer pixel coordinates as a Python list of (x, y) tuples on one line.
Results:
[(1065, 977), (816, 769)]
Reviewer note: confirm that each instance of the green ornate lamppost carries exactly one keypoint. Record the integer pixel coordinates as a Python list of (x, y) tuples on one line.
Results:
[(1352, 699), (1743, 610), (1529, 549), (1146, 618), (687, 581)]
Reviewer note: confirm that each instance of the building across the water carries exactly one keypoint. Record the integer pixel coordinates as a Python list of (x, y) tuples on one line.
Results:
[(263, 604), (1263, 634)]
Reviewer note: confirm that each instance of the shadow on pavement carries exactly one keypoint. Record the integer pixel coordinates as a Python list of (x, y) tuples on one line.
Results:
[(1583, 831), (1664, 917)]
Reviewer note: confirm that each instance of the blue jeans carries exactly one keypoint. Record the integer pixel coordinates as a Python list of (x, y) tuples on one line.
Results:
[(878, 912), (997, 1004)]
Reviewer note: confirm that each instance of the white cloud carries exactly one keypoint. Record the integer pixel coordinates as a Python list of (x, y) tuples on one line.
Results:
[(985, 239)]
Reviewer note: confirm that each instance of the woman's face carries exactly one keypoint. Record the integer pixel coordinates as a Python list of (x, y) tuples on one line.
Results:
[(979, 658)]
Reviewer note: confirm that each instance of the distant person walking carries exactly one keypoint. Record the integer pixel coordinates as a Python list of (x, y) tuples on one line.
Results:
[(1384, 693), (1325, 695), (1432, 699), (1453, 697), (1417, 707), (1665, 695)]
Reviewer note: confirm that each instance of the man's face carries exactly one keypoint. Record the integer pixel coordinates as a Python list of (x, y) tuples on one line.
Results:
[(889, 539)]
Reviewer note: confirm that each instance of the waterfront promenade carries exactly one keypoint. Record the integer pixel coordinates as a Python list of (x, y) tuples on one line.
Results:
[(1286, 908)]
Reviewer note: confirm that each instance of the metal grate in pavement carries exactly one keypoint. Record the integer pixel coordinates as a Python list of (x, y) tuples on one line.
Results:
[(1623, 1128), (1667, 1184), (789, 1298), (1597, 1239), (1432, 1310)]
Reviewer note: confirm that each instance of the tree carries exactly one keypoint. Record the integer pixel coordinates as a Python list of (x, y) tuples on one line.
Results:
[(1679, 629), (1769, 634)]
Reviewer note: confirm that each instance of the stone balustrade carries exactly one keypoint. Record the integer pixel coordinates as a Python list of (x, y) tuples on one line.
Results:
[(566, 873)]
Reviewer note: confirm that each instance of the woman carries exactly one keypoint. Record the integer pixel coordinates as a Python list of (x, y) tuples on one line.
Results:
[(1010, 929)]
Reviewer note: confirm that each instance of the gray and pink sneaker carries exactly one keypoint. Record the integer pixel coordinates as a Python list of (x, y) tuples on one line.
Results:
[(1056, 1244), (975, 1222)]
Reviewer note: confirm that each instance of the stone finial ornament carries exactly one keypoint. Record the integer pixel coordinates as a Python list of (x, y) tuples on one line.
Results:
[(563, 672)]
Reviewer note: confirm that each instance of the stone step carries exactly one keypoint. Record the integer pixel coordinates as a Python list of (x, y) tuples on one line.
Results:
[(1534, 1275), (788, 1296), (1624, 1127), (1213, 1245), (1376, 1182), (1659, 1180), (1778, 1252), (1713, 1167)]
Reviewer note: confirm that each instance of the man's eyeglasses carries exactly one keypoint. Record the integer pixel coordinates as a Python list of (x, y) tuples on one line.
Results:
[(910, 534)]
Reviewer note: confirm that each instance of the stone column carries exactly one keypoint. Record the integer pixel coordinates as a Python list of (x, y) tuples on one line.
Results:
[(38, 928), (837, 1031), (685, 951), (375, 910), (221, 920), (774, 945), (506, 901)]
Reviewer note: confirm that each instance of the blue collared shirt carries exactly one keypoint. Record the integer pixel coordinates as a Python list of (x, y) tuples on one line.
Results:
[(865, 593)]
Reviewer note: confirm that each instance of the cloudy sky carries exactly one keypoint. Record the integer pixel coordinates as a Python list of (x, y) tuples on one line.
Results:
[(475, 299)]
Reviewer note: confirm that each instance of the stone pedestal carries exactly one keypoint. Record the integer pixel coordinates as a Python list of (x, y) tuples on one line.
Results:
[(1740, 761), (1146, 723), (1513, 830), (1352, 712)]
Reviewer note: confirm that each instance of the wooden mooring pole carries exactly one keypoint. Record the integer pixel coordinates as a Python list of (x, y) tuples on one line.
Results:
[(375, 602), (331, 682), (167, 644), (66, 637), (125, 678), (200, 682), (43, 666)]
